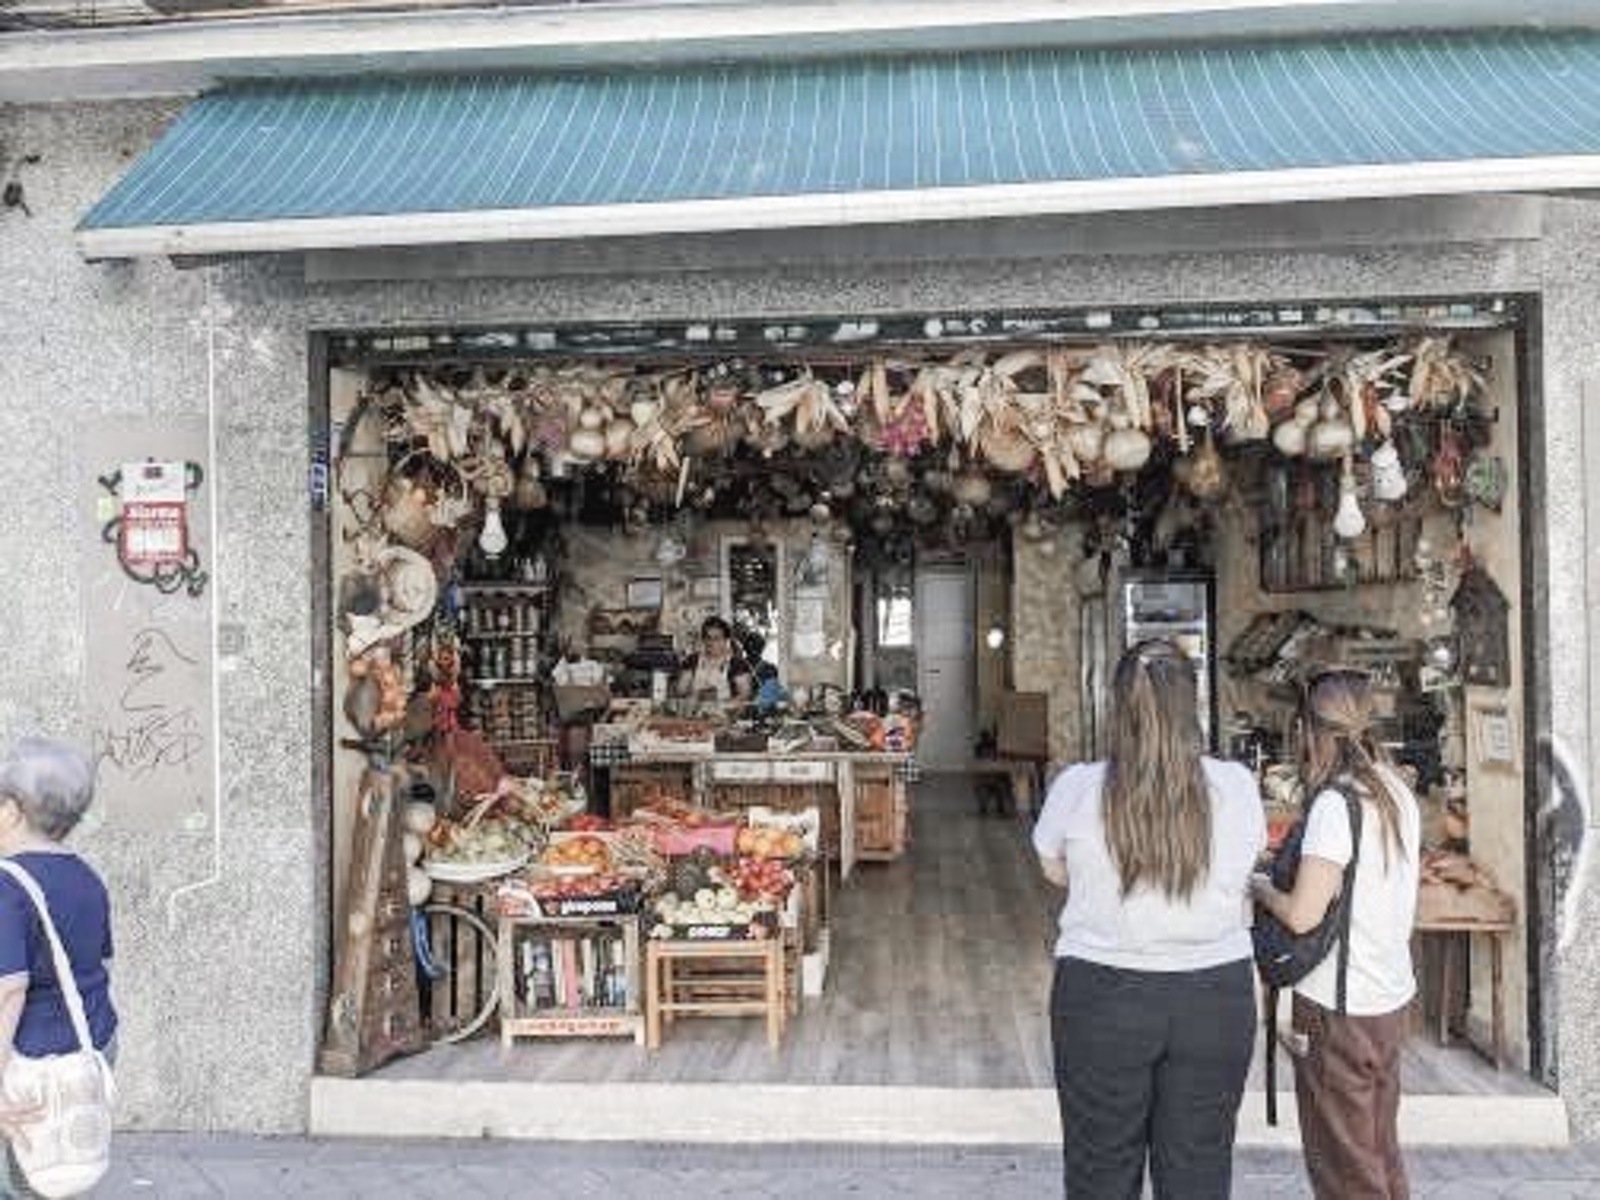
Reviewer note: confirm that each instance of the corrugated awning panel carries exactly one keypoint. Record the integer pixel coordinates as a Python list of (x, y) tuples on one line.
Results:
[(853, 128)]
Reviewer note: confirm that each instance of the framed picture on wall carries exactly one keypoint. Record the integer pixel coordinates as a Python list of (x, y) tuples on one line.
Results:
[(1495, 736), (644, 591)]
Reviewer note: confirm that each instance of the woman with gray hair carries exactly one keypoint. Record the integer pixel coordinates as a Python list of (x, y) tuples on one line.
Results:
[(45, 788)]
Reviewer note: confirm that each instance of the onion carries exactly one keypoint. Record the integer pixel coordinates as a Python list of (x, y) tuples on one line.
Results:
[(587, 443), (1127, 449), (618, 436)]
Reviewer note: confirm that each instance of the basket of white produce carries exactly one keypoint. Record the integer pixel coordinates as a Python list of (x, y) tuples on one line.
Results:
[(714, 914)]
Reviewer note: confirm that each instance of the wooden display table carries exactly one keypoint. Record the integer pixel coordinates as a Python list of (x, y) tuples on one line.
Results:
[(714, 979), (569, 977), (1455, 934)]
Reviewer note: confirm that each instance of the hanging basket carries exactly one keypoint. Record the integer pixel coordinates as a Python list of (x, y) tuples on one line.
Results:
[(421, 495)]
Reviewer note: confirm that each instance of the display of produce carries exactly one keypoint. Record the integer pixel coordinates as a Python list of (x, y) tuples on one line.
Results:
[(583, 852), (712, 913), (760, 878), (769, 843)]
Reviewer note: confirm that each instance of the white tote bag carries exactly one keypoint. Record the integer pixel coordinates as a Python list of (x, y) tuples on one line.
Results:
[(69, 1149)]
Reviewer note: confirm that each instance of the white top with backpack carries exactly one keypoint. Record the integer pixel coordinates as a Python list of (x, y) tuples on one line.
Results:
[(1384, 903)]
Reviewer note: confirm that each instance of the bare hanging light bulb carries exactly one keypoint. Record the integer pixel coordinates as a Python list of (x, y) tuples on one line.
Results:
[(492, 541), (1349, 521)]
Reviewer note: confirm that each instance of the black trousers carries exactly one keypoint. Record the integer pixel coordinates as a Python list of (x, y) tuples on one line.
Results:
[(1150, 1065)]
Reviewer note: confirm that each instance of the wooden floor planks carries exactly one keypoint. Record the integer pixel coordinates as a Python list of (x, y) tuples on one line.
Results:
[(939, 977)]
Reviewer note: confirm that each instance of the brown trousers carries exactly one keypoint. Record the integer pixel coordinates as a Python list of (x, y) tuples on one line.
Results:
[(1347, 1084)]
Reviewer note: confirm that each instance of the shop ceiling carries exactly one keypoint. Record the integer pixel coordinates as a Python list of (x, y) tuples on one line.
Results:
[(491, 158)]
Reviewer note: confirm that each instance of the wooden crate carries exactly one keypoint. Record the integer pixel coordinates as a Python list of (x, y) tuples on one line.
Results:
[(722, 979), (881, 814), (466, 956), (632, 784), (519, 1017), (784, 797)]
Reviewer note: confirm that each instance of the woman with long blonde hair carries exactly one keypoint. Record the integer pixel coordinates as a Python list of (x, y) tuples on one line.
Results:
[(1347, 1054), (1153, 1006)]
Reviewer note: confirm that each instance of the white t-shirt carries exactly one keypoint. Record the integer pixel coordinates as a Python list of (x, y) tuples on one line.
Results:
[(1145, 930), (1380, 978)]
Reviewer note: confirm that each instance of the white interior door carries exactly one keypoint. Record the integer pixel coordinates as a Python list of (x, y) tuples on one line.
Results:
[(946, 671)]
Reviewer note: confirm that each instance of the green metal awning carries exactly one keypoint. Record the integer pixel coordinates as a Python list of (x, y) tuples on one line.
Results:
[(481, 158)]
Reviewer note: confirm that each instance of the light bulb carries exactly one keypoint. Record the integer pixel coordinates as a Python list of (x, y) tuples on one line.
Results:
[(493, 541), (1349, 521), (995, 638)]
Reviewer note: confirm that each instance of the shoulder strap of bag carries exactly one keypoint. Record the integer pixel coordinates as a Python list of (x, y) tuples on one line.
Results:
[(1347, 896), (1271, 1049), (65, 979)]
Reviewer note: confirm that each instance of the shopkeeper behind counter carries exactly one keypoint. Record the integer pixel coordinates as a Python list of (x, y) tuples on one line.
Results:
[(718, 672)]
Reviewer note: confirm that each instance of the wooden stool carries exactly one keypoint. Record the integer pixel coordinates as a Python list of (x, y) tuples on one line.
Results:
[(1449, 949), (708, 988)]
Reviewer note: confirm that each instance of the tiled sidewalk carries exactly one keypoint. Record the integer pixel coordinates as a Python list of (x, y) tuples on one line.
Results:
[(241, 1168)]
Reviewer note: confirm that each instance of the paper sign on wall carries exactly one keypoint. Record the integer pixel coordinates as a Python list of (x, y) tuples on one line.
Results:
[(154, 531)]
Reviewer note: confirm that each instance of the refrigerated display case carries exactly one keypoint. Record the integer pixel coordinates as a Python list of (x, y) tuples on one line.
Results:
[(1181, 608)]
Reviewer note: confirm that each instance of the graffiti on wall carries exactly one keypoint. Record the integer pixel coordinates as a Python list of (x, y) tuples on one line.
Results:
[(147, 648)]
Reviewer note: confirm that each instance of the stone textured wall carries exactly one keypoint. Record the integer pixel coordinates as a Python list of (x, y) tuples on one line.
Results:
[(1044, 614), (250, 953)]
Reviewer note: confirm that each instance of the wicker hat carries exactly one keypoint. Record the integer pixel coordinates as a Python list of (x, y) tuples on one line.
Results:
[(409, 592)]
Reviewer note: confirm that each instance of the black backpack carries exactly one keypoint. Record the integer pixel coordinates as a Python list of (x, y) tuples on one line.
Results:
[(1283, 957)]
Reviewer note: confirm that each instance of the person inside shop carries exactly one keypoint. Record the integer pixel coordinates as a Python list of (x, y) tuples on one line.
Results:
[(1152, 1010), (718, 672), (1347, 1063), (46, 786), (769, 694)]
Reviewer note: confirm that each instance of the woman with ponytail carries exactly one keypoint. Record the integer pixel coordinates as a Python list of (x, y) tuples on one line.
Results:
[(1347, 1062), (1153, 1006)]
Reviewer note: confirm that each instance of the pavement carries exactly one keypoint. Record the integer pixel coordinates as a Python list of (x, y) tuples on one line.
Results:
[(148, 1166)]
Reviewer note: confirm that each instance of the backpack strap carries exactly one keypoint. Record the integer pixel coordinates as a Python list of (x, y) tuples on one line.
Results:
[(1347, 896)]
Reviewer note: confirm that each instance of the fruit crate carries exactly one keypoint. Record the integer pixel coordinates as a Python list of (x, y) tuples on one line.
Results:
[(570, 977), (881, 814), (635, 784)]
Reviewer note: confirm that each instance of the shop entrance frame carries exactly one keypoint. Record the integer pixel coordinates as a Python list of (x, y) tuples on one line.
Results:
[(1518, 313)]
